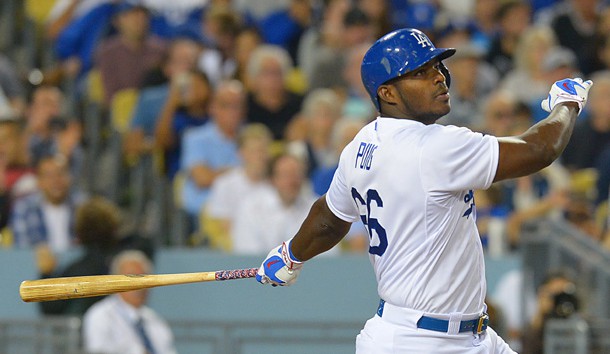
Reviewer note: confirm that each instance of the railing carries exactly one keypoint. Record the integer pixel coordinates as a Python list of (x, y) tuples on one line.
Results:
[(42, 336), (549, 245), (62, 336), (577, 336)]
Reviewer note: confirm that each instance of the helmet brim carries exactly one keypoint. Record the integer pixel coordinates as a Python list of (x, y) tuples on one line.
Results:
[(436, 53)]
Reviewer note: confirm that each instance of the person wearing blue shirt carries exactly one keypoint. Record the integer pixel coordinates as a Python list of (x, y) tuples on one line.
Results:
[(186, 107), (210, 150)]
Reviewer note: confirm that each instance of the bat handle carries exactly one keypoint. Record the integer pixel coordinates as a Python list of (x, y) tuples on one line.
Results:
[(235, 274)]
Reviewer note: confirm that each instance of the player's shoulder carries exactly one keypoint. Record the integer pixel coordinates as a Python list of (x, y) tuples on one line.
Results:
[(449, 133)]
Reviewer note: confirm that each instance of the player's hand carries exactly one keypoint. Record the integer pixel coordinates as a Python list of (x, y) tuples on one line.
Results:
[(567, 90), (280, 267)]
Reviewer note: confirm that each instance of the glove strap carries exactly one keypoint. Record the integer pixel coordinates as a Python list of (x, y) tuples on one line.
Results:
[(291, 261)]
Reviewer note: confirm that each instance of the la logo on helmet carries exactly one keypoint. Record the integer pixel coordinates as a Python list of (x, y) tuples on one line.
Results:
[(421, 39)]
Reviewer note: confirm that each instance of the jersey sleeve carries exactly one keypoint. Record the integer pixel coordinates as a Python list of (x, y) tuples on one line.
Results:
[(455, 159), (338, 197)]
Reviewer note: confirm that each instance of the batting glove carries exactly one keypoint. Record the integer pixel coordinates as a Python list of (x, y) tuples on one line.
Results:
[(567, 90), (280, 267)]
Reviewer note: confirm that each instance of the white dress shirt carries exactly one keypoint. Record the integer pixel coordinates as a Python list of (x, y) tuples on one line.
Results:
[(57, 221), (263, 221), (109, 328), (228, 191)]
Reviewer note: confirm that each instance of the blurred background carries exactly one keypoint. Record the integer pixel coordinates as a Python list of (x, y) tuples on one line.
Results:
[(199, 132)]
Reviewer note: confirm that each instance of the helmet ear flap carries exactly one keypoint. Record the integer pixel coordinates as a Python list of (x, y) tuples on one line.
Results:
[(446, 73)]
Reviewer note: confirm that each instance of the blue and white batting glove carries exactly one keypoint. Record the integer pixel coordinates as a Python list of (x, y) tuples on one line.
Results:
[(567, 90), (280, 267)]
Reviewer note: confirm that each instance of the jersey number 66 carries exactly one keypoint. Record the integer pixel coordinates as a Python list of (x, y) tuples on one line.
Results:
[(372, 224)]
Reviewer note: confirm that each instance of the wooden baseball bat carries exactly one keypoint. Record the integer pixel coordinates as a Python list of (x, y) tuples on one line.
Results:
[(97, 285)]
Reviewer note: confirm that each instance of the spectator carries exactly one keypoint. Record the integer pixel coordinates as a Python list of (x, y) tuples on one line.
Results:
[(513, 17), (285, 27), (47, 216), (603, 179), (246, 43), (16, 173), (580, 213), (357, 29), (557, 64), (260, 9), (81, 25), (172, 19), (122, 323), (181, 58), (269, 101), (474, 80), (557, 298), (483, 16), (603, 51), (11, 87), (96, 226), (544, 194), (124, 58), (274, 213), (499, 113), (517, 307), (357, 105), (186, 107), (379, 12), (50, 132), (65, 12), (532, 48), (319, 114), (77, 41), (220, 29), (326, 36), (181, 55), (606, 239), (211, 150), (575, 29), (344, 131), (228, 190), (591, 134)]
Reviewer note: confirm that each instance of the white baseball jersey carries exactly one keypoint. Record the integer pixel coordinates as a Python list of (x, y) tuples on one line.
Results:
[(412, 185)]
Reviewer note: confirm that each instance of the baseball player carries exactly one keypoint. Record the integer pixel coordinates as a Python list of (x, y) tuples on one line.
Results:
[(411, 183)]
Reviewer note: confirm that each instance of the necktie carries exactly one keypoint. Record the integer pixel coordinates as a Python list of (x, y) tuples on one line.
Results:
[(139, 325)]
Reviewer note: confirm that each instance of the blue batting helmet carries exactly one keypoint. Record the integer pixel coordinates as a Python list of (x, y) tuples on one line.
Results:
[(396, 54)]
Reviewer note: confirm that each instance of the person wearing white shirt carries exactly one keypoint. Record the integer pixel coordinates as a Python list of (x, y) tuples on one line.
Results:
[(229, 189), (273, 213), (122, 323)]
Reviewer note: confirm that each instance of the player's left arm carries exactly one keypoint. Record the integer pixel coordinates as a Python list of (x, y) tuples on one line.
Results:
[(320, 231)]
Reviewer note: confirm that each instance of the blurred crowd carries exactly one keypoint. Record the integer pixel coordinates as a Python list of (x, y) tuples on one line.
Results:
[(206, 113), (216, 123)]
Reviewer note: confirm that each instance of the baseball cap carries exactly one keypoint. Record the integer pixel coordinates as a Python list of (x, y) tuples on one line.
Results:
[(559, 57), (468, 50)]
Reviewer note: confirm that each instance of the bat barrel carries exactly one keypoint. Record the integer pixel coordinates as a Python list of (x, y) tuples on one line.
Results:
[(98, 285)]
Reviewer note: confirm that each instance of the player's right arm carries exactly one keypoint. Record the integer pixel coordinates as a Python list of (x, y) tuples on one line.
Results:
[(542, 144)]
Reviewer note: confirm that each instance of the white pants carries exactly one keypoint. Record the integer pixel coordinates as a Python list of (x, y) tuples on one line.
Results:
[(387, 336)]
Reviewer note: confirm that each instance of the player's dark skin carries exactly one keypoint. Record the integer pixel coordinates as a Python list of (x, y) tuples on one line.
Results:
[(421, 95)]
